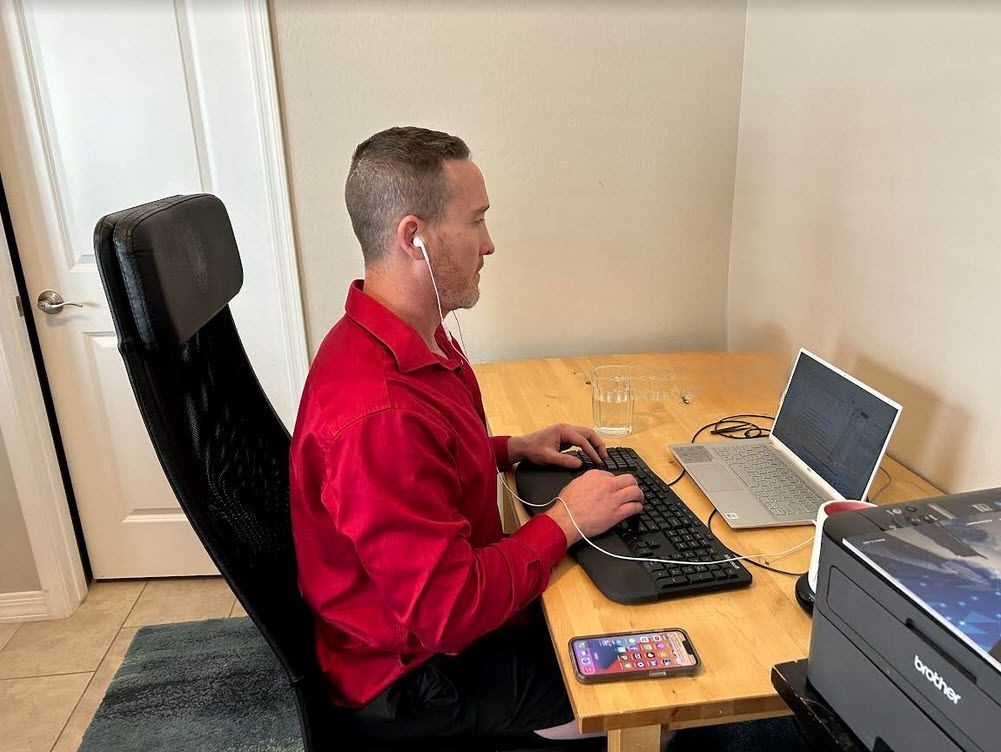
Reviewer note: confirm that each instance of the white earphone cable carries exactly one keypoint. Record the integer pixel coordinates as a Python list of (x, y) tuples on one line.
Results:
[(437, 297), (462, 340), (419, 243), (748, 557)]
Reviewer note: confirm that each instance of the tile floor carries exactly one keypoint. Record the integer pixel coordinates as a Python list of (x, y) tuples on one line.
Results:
[(53, 674)]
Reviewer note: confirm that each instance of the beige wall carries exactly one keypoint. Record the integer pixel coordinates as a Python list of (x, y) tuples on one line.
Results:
[(17, 565), (606, 133), (867, 213)]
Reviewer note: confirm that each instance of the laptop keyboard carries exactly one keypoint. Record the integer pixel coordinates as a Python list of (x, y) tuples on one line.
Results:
[(772, 481), (665, 516)]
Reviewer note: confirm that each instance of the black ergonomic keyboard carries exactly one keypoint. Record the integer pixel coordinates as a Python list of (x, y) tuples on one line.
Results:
[(666, 529)]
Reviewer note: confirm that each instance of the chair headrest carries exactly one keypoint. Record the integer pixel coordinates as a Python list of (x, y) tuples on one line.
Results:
[(179, 265)]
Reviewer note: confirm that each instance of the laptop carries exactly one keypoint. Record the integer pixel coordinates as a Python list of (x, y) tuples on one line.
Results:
[(827, 441)]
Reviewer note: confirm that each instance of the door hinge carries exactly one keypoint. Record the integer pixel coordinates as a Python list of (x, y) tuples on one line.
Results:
[(20, 308)]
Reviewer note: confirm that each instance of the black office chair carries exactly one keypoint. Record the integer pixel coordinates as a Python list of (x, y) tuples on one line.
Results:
[(169, 270)]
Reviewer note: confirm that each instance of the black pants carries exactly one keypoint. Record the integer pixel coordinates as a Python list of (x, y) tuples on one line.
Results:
[(506, 684)]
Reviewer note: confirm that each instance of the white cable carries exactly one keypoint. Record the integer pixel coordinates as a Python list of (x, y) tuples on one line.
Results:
[(748, 557), (448, 335), (437, 297), (462, 339)]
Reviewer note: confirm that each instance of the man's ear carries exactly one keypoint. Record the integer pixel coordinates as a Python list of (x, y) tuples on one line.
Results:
[(406, 229)]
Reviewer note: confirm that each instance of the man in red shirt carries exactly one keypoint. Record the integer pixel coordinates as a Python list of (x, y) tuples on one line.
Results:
[(425, 615)]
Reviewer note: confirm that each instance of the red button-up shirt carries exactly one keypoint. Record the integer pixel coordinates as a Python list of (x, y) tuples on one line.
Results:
[(394, 505)]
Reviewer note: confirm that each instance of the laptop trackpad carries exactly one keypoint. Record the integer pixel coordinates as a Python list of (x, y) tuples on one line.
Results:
[(718, 477)]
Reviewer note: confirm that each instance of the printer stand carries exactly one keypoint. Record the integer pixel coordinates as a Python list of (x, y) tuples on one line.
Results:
[(814, 715)]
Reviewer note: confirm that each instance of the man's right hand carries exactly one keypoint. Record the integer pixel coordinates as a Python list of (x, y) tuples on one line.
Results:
[(597, 500)]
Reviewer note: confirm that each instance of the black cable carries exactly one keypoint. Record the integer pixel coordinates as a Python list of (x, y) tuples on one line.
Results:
[(750, 430), (731, 425), (734, 427), (709, 524)]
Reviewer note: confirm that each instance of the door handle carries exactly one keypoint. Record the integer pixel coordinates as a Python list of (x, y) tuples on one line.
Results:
[(51, 302)]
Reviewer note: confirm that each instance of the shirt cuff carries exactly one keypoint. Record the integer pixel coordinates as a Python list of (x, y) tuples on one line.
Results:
[(545, 537), (500, 452)]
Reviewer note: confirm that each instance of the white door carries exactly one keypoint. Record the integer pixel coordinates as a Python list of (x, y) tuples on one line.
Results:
[(110, 104)]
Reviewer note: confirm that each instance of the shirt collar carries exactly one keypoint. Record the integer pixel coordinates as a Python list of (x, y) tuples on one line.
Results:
[(407, 347)]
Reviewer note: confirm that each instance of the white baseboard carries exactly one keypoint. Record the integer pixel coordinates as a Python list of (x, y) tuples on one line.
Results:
[(29, 605)]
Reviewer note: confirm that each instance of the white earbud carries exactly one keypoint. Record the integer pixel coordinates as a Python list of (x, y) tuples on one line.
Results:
[(418, 243)]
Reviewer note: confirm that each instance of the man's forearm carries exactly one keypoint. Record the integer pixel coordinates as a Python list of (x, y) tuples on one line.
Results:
[(561, 517), (516, 449)]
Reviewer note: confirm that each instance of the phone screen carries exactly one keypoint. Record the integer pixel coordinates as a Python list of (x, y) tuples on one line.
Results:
[(639, 652)]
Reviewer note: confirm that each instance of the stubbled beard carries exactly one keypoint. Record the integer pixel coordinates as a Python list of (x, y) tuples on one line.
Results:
[(454, 298), (466, 299)]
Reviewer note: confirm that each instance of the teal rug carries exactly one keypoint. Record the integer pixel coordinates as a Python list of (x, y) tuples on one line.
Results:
[(211, 686), (215, 686)]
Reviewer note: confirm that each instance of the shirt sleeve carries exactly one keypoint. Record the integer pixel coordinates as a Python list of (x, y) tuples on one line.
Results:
[(500, 452), (391, 486)]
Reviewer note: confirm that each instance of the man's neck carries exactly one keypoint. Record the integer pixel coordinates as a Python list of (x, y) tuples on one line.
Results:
[(409, 304)]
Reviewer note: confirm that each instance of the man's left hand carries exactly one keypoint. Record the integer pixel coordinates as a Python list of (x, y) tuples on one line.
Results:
[(546, 447)]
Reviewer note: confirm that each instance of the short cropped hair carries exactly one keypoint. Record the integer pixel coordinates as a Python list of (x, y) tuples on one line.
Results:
[(396, 172)]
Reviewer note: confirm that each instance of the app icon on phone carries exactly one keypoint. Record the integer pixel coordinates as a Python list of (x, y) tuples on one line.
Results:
[(636, 656), (585, 661), (640, 664), (632, 640), (651, 655), (627, 665), (653, 664), (660, 646), (656, 637), (588, 669), (644, 638), (620, 649)]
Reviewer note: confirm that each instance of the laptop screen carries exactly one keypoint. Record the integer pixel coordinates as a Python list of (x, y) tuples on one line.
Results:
[(837, 427)]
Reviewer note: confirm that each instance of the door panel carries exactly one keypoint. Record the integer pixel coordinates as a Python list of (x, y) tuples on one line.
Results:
[(104, 109), (110, 108), (131, 488)]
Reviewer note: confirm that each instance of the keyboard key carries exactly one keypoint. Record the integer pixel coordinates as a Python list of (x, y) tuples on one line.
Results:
[(672, 582)]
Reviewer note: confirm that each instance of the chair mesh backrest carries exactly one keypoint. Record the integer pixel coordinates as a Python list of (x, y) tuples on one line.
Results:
[(221, 445), (229, 453)]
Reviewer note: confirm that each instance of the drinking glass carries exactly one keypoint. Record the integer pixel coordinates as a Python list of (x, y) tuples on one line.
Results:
[(612, 400)]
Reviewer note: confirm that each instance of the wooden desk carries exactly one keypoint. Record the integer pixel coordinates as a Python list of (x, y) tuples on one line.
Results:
[(739, 634)]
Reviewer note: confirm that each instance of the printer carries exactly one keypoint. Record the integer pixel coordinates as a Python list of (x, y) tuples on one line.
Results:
[(905, 645)]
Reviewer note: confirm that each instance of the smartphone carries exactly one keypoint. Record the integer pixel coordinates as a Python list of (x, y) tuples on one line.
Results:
[(634, 655)]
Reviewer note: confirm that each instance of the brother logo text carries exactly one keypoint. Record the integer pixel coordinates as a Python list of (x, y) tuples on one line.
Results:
[(937, 680)]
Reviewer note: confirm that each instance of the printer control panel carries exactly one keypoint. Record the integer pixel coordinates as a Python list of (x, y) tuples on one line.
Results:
[(911, 514)]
